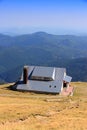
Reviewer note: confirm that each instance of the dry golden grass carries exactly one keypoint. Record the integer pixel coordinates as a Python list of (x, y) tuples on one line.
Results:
[(29, 111)]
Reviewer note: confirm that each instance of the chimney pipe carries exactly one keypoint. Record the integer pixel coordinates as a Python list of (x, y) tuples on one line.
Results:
[(25, 74)]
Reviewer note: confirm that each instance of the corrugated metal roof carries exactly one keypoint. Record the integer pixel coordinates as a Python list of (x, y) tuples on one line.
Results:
[(54, 86), (43, 73)]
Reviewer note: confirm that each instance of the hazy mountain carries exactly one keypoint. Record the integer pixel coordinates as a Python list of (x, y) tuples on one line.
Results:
[(43, 49)]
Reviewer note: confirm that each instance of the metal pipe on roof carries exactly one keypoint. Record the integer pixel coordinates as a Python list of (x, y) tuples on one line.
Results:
[(25, 74)]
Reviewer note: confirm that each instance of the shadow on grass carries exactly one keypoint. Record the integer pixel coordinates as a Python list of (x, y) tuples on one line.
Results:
[(12, 87)]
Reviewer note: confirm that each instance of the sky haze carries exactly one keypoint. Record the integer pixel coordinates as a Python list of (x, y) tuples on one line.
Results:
[(57, 16)]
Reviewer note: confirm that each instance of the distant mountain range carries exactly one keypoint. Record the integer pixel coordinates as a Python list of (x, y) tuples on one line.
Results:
[(44, 49)]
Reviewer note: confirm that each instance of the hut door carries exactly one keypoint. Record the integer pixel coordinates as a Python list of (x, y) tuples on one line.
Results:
[(64, 84)]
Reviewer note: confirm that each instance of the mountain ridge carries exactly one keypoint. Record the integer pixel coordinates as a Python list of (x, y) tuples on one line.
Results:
[(41, 48)]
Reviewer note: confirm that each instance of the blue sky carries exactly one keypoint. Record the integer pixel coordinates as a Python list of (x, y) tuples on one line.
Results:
[(53, 16)]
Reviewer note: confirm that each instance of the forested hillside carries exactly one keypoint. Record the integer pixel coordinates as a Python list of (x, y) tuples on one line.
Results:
[(43, 49)]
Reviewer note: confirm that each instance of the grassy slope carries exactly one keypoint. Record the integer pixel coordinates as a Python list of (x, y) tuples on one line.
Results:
[(29, 111)]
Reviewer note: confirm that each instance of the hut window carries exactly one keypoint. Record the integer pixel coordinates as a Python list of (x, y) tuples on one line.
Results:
[(49, 86)]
